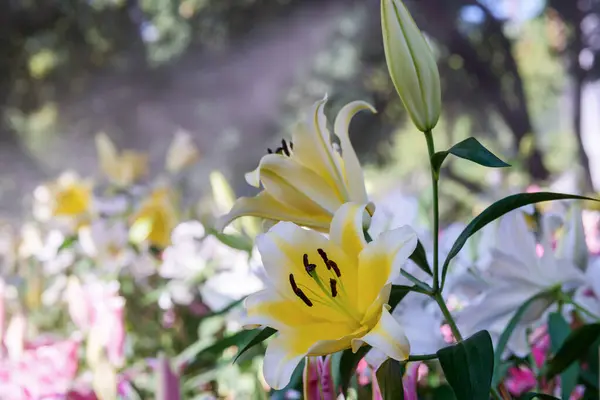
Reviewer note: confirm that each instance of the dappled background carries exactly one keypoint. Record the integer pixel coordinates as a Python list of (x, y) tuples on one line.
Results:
[(520, 75)]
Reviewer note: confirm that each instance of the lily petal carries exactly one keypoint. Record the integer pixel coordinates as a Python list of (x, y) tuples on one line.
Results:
[(353, 171), (265, 206), (297, 186), (313, 148), (381, 260), (387, 336), (347, 228), (269, 308), (283, 249)]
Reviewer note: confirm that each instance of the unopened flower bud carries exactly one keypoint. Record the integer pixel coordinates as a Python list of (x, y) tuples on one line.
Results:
[(411, 64)]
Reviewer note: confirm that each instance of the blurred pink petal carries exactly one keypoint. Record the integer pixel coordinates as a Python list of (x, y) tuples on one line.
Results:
[(520, 380), (363, 372), (168, 381), (318, 380)]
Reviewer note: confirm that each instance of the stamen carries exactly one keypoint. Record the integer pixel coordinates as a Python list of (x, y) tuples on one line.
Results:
[(333, 285), (293, 283), (291, 146), (323, 256), (284, 147), (303, 297), (308, 266), (333, 265), (269, 151), (279, 150)]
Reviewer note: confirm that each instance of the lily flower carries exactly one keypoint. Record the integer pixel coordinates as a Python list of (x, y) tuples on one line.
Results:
[(155, 219), (328, 294), (519, 269), (307, 180), (122, 169)]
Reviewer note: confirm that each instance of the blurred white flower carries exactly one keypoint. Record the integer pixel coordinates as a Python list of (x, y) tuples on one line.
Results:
[(106, 242), (519, 269), (185, 257), (588, 295)]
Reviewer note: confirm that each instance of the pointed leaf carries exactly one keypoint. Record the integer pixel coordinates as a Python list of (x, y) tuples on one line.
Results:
[(574, 347), (497, 210), (419, 257), (506, 334), (389, 379), (469, 366), (348, 363), (469, 149), (259, 336), (559, 330)]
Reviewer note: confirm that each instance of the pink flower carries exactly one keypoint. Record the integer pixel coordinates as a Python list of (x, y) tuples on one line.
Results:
[(318, 379), (46, 369), (167, 380), (520, 380), (363, 371), (98, 307)]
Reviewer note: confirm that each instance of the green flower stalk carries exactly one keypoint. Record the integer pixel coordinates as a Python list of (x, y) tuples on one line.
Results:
[(411, 64)]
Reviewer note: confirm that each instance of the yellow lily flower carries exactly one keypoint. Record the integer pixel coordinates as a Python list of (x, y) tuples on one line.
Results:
[(70, 196), (122, 169), (155, 220), (326, 295), (307, 180)]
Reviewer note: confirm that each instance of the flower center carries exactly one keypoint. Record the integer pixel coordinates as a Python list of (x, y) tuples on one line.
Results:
[(332, 295), (285, 149)]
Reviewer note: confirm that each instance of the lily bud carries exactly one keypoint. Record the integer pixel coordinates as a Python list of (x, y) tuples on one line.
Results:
[(411, 64), (318, 380)]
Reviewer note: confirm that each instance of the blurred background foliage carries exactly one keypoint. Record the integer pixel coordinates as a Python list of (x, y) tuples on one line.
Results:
[(520, 75)]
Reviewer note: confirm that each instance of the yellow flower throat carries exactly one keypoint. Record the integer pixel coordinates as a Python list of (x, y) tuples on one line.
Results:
[(329, 296)]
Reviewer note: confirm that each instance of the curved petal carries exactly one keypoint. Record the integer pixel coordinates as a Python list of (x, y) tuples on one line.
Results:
[(313, 148), (381, 260), (347, 228), (265, 206), (283, 250), (387, 336), (291, 183), (353, 172), (291, 345), (253, 177), (268, 308), (281, 359)]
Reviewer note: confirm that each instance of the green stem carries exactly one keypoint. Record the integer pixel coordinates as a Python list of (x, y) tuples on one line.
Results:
[(448, 317), (563, 297), (436, 212), (422, 357)]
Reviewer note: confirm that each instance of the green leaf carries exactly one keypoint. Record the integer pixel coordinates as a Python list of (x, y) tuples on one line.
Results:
[(198, 353), (469, 366), (497, 210), (67, 243), (506, 334), (389, 379), (419, 257), (574, 347), (238, 242), (398, 293), (540, 396), (559, 330), (258, 336), (469, 149), (348, 363)]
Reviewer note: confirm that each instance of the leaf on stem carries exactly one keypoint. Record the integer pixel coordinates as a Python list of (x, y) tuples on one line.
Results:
[(469, 365), (574, 347), (469, 149), (389, 379), (559, 330)]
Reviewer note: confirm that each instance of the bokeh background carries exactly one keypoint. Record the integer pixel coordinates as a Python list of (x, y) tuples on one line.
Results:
[(520, 75)]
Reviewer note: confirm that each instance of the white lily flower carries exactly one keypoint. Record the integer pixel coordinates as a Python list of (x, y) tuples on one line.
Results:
[(516, 273), (588, 296), (106, 242)]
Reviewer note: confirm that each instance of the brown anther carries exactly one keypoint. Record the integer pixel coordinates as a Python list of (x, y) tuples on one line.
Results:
[(293, 283), (291, 146), (303, 297), (323, 256), (284, 147), (308, 266), (269, 151), (333, 285), (332, 264)]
